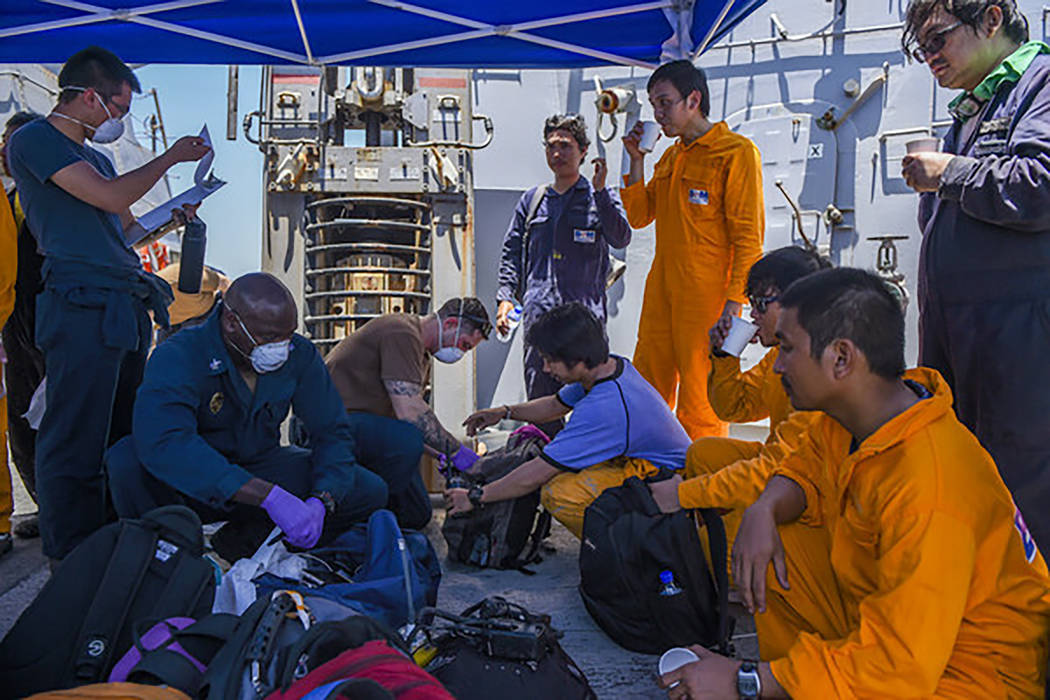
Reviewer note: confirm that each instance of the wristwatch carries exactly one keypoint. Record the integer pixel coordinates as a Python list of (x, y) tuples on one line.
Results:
[(475, 494), (325, 498), (748, 684)]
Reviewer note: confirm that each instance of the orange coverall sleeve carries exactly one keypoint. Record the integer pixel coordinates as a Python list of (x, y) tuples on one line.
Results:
[(908, 625), (639, 199), (8, 259), (737, 396), (804, 465), (745, 217), (739, 484)]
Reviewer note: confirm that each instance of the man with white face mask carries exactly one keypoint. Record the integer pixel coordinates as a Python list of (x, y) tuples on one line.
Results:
[(381, 371), (93, 323), (207, 429)]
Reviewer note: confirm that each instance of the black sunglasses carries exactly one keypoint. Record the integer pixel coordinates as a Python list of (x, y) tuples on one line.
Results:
[(934, 42), (483, 324), (760, 304)]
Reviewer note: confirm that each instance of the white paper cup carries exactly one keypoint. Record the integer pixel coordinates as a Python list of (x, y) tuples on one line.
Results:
[(674, 659), (739, 336), (650, 133), (923, 145)]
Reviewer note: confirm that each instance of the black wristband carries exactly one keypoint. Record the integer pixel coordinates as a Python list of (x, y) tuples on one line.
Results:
[(325, 498), (475, 494)]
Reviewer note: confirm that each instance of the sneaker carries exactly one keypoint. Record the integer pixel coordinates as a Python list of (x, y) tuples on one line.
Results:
[(6, 543), (28, 528)]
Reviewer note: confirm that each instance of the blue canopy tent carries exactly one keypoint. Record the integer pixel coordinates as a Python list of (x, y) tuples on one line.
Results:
[(446, 33)]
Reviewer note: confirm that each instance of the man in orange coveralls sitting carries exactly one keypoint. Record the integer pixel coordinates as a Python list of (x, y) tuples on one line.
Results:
[(724, 472), (706, 198), (929, 584)]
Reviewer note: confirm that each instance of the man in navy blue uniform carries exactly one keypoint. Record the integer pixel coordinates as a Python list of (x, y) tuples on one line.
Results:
[(92, 320), (208, 417), (556, 249), (984, 269)]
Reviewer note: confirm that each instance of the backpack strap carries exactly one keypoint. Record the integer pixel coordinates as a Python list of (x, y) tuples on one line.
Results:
[(172, 664), (540, 531), (534, 206), (108, 613), (716, 540)]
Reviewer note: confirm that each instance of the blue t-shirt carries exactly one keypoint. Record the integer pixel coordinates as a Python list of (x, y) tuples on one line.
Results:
[(621, 416), (66, 228)]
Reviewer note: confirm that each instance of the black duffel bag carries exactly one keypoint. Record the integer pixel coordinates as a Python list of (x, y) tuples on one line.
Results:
[(497, 649), (628, 548)]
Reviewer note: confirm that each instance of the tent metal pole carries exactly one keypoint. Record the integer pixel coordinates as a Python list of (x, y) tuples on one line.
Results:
[(350, 56), (101, 15), (302, 31), (714, 29)]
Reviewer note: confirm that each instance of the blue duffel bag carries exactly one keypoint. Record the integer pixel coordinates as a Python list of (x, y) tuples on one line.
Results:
[(376, 569)]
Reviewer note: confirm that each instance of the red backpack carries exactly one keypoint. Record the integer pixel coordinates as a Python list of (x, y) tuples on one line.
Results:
[(374, 661)]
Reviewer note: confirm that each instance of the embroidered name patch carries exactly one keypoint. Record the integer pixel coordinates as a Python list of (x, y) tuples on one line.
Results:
[(583, 235), (698, 197)]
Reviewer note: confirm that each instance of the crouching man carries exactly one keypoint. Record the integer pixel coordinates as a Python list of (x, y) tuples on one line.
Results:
[(619, 427), (206, 429), (918, 577)]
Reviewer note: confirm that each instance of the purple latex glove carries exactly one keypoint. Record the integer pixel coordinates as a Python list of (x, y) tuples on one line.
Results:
[(301, 522), (464, 458)]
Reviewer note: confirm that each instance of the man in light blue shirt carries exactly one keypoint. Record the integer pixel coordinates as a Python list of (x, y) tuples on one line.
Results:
[(619, 427)]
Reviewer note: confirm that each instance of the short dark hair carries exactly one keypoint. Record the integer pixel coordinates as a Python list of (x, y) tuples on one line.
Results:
[(686, 78), (573, 123), (570, 333), (472, 313), (20, 119), (779, 268), (969, 12), (851, 304), (98, 68)]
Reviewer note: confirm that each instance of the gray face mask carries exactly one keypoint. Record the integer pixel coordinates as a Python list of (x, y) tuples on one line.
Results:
[(106, 132), (268, 357)]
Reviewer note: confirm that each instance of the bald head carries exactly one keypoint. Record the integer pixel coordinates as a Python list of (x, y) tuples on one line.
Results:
[(264, 306)]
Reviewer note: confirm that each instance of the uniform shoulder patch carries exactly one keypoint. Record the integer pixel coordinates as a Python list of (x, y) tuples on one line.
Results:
[(1027, 541)]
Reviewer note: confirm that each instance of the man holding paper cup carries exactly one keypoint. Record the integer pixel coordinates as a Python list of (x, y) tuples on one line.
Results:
[(705, 196), (984, 210), (93, 323)]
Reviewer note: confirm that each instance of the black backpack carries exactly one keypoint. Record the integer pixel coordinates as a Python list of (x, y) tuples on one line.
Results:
[(496, 535), (276, 643), (82, 620), (497, 649), (627, 544)]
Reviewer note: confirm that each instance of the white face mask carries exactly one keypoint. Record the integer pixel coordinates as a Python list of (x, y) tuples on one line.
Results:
[(268, 357), (452, 353), (106, 132)]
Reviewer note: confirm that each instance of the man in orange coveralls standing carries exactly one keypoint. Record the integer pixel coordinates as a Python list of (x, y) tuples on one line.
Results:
[(706, 198), (930, 584)]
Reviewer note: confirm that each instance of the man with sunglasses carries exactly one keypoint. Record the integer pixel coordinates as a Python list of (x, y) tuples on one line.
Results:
[(556, 249), (705, 196), (382, 371), (93, 324), (984, 210), (725, 472)]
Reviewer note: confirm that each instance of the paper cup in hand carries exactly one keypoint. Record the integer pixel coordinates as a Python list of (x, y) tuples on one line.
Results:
[(739, 336), (650, 132), (675, 658), (924, 145)]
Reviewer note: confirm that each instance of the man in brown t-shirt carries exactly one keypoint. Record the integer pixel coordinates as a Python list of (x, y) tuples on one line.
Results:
[(380, 372)]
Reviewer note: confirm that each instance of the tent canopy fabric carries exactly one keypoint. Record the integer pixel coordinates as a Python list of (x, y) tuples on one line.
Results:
[(445, 33)]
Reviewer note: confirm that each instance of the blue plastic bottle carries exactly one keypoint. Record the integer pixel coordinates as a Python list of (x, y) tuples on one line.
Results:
[(667, 585)]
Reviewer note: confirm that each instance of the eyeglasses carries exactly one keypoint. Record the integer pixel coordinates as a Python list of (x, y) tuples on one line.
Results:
[(760, 304), (934, 42)]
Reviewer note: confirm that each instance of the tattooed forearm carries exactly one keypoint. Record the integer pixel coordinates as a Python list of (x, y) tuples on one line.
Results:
[(396, 387), (434, 435)]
